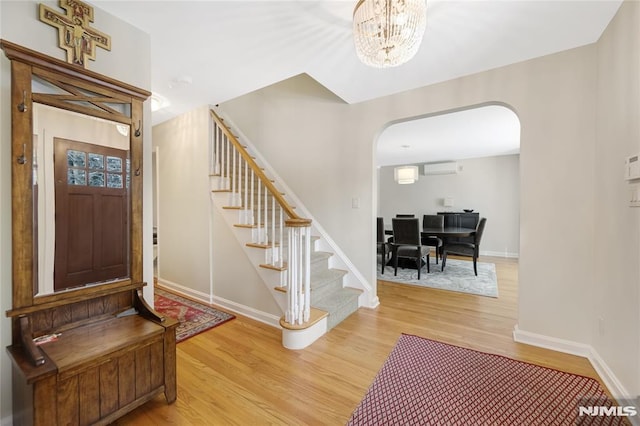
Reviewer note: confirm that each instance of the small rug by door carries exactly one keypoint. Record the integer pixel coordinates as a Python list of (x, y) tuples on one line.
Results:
[(194, 317), (425, 382), (457, 276)]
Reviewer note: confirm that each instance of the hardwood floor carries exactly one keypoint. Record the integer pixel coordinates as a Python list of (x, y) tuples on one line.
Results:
[(239, 373)]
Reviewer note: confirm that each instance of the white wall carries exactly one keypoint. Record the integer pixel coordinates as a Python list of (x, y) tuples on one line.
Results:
[(616, 299), (128, 61), (489, 186)]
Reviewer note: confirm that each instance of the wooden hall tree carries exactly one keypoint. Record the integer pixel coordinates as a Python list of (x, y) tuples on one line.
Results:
[(110, 352)]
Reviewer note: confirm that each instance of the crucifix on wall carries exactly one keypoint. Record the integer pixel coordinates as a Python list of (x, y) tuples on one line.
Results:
[(74, 33)]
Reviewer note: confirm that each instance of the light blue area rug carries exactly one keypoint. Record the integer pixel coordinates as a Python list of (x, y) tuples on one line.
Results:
[(457, 276)]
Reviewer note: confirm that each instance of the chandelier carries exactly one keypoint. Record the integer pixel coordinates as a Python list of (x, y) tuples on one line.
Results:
[(388, 33)]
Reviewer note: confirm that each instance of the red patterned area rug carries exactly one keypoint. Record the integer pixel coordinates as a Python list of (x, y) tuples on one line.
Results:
[(424, 382), (194, 317)]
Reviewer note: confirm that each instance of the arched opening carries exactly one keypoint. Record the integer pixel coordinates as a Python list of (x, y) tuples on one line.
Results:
[(467, 159)]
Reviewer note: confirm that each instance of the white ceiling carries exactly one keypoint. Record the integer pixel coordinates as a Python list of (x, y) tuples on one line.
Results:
[(207, 52), (487, 131)]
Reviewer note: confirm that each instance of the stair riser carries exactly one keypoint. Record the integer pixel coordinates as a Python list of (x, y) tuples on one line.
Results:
[(328, 287), (341, 314), (319, 265)]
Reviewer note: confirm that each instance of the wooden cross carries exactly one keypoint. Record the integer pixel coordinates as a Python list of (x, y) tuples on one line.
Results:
[(74, 33)]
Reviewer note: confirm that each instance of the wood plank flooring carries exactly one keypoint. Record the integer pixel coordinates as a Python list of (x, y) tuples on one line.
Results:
[(239, 373)]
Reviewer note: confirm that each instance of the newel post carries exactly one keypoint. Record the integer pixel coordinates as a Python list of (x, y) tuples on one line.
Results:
[(299, 273)]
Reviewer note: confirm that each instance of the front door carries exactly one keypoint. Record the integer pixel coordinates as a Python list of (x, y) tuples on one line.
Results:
[(91, 214)]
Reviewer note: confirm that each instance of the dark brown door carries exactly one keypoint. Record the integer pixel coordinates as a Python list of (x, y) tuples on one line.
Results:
[(91, 214)]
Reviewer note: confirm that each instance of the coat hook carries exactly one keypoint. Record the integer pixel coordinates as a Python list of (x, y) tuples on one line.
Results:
[(22, 107), (22, 159), (137, 171), (138, 132)]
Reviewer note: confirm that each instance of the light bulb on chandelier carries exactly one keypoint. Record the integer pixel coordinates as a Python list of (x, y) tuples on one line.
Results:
[(388, 33)]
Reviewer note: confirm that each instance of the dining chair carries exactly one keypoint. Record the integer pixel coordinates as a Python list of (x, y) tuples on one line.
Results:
[(433, 221), (405, 215), (466, 249), (407, 243), (382, 246)]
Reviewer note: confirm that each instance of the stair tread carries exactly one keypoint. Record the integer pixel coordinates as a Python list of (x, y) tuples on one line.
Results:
[(315, 316)]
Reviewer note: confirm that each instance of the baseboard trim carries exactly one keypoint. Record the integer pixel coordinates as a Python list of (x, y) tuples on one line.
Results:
[(504, 254), (553, 343), (229, 305), (247, 311), (611, 380), (186, 291), (575, 348)]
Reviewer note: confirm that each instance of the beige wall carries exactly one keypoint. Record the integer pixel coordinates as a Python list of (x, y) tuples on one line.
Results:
[(615, 318), (325, 151), (19, 24), (489, 186), (334, 145), (184, 255), (197, 252)]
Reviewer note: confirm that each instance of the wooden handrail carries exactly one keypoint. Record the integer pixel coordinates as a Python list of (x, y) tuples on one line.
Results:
[(294, 219)]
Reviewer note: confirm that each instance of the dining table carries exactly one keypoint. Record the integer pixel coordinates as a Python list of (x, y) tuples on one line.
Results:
[(448, 231), (444, 232)]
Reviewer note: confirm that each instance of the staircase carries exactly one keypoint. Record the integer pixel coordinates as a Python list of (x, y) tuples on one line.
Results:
[(327, 291), (278, 242)]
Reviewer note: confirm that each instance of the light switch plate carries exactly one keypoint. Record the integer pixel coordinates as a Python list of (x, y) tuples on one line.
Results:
[(632, 167)]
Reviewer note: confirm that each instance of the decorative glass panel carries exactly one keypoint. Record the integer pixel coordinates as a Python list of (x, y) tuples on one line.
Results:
[(128, 166), (76, 177), (114, 180), (128, 180), (76, 158), (96, 161), (96, 178), (114, 164)]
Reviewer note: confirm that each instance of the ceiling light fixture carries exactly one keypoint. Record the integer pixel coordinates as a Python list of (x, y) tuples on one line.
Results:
[(158, 102), (405, 174), (388, 33)]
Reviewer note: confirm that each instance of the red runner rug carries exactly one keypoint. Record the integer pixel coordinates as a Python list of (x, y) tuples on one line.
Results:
[(424, 382), (194, 317)]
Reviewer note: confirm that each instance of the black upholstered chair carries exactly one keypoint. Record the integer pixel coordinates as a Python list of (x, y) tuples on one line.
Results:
[(466, 249), (407, 243), (405, 215), (382, 247), (433, 221)]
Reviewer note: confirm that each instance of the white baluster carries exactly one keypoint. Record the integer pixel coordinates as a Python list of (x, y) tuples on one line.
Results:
[(257, 237), (227, 162), (266, 208), (218, 150), (306, 262), (281, 250), (253, 201), (247, 214)]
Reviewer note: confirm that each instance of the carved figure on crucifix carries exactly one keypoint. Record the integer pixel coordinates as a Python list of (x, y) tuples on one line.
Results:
[(74, 33)]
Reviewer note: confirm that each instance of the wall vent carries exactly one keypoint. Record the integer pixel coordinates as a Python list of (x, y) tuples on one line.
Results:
[(448, 168)]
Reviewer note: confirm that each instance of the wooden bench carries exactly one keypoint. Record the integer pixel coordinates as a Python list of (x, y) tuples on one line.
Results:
[(102, 365)]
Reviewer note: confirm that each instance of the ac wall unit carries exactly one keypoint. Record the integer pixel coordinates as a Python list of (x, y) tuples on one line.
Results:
[(448, 168)]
